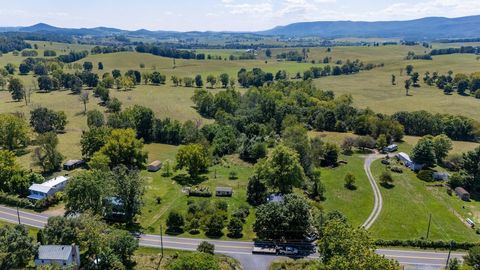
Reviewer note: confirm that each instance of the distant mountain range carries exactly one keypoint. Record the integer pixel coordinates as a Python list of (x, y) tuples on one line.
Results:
[(425, 28), (430, 28)]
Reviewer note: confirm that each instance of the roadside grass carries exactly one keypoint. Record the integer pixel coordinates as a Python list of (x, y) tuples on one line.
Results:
[(407, 207), (173, 199), (32, 231), (357, 204), (150, 258)]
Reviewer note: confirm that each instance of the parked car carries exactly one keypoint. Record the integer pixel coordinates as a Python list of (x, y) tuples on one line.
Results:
[(385, 162), (289, 251)]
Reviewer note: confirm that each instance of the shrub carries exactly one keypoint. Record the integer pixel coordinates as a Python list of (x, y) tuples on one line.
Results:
[(350, 181), (45, 203), (175, 222), (477, 94), (241, 213), (422, 243), (425, 175), (233, 175), (396, 169), (386, 179), (11, 200), (206, 247), (200, 192)]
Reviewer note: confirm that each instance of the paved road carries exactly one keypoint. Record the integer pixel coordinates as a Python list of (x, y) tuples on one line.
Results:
[(377, 208), (242, 250)]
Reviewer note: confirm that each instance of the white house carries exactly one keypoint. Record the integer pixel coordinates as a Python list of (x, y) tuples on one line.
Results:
[(405, 158), (58, 255), (48, 188)]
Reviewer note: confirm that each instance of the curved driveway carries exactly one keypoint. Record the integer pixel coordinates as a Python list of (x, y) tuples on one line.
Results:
[(242, 250), (377, 207)]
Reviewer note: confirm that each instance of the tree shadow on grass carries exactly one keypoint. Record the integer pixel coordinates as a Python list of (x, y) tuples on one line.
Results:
[(387, 185), (185, 179), (214, 236), (174, 232)]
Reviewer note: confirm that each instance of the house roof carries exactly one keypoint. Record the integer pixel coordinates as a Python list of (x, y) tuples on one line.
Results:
[(40, 188), (74, 162), (55, 181), (404, 156), (54, 252), (275, 197), (224, 189), (460, 190), (155, 163)]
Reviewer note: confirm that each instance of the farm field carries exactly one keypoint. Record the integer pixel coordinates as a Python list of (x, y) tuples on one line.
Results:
[(407, 207), (369, 89), (174, 199)]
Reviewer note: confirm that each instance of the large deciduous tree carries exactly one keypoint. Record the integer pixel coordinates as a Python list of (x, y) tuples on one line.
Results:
[(194, 158), (281, 170), (46, 154), (289, 219), (16, 247), (123, 148), (14, 132)]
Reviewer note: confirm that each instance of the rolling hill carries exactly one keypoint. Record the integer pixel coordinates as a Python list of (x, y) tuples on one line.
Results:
[(431, 28)]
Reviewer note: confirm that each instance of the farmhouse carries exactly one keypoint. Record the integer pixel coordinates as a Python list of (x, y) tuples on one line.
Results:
[(462, 194), (49, 188), (405, 158), (223, 192), (154, 166), (73, 164), (57, 255)]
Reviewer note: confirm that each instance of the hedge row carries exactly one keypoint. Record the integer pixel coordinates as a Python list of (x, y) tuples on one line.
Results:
[(421, 243), (40, 205), (12, 200)]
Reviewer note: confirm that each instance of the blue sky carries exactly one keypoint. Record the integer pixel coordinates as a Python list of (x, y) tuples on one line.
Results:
[(230, 15)]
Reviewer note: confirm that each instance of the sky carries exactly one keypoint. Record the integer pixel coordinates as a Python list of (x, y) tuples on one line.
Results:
[(220, 15)]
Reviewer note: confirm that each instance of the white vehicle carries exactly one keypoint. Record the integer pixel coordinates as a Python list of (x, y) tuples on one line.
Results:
[(289, 251), (469, 221)]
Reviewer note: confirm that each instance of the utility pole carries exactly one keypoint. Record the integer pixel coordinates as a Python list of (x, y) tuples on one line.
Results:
[(448, 257), (429, 222), (161, 238), (18, 215)]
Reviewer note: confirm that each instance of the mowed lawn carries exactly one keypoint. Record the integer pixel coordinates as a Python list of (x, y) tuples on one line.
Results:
[(174, 199), (357, 204), (407, 207)]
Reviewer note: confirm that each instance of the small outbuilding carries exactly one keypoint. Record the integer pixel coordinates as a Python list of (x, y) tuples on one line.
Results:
[(275, 197), (440, 176), (58, 255), (224, 192), (154, 166), (462, 194), (73, 164)]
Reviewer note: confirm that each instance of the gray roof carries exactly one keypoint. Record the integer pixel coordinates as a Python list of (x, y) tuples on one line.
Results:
[(54, 252), (40, 188), (224, 189), (74, 162)]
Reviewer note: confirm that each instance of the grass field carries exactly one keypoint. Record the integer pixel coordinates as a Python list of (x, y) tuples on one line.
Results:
[(173, 199), (355, 204), (407, 207), (369, 88), (150, 258)]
